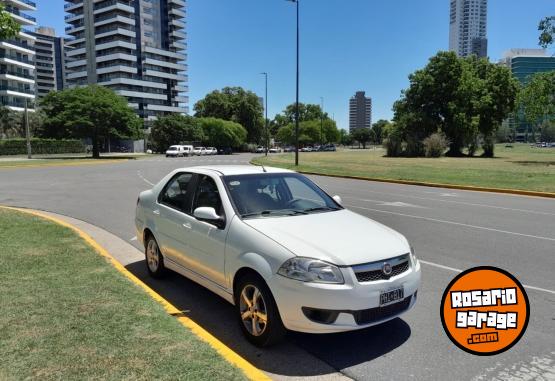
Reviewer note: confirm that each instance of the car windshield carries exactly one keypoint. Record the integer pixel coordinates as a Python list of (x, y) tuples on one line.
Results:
[(173, 148), (277, 194)]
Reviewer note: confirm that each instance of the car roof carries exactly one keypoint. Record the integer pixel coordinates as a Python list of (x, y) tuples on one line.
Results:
[(230, 170)]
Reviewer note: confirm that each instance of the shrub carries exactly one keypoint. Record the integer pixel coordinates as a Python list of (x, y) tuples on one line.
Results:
[(435, 145), (40, 146), (394, 143)]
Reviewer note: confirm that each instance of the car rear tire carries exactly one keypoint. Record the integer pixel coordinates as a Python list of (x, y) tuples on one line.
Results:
[(257, 312), (154, 259)]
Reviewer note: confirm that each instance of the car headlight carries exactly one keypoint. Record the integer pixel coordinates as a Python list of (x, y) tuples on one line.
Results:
[(413, 257), (311, 270)]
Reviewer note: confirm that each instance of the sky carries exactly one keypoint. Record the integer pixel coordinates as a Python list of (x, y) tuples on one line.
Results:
[(346, 45)]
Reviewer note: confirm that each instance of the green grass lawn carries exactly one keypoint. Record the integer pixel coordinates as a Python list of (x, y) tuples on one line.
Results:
[(520, 167), (66, 313)]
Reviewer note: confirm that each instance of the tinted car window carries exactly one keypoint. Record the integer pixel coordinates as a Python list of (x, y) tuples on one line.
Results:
[(175, 192), (207, 195)]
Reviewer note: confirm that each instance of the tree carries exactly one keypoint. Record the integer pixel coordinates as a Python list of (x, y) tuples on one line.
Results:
[(12, 123), (379, 128), (222, 133), (462, 97), (362, 135), (345, 138), (306, 112), (494, 97), (547, 31), (237, 105), (548, 131), (309, 132), (9, 28), (537, 98), (93, 112), (175, 129)]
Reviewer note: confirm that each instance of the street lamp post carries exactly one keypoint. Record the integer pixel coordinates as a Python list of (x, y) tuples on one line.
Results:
[(321, 120), (27, 132), (297, 91), (267, 139)]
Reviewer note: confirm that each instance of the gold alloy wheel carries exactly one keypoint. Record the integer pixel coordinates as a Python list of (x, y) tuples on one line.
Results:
[(253, 310), (152, 255)]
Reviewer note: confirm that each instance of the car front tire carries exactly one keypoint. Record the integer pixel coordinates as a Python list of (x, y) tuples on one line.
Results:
[(154, 258), (257, 312)]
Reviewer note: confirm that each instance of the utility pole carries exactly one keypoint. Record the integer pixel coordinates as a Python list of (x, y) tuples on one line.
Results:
[(267, 140), (27, 132), (297, 91)]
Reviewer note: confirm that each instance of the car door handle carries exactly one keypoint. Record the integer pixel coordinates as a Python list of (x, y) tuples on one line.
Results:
[(157, 212), (187, 225)]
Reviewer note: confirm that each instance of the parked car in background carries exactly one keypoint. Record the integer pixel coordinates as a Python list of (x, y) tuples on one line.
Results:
[(175, 151), (306, 149), (225, 151), (330, 148), (199, 151), (188, 150), (211, 151), (279, 248), (275, 150), (260, 149), (289, 149)]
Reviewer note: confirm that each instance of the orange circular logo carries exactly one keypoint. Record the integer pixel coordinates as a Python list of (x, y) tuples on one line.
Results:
[(485, 310)]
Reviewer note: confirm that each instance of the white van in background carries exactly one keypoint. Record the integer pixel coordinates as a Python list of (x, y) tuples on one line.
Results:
[(179, 150)]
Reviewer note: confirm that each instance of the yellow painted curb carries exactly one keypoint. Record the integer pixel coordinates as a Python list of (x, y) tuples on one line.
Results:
[(62, 164), (520, 192), (227, 353)]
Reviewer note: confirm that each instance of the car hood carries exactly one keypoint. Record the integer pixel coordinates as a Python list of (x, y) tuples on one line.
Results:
[(341, 237)]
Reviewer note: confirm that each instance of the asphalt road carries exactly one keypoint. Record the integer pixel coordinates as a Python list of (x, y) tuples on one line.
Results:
[(450, 230)]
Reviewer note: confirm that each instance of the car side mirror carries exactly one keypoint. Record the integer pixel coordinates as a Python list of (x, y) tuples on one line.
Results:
[(208, 214), (337, 199)]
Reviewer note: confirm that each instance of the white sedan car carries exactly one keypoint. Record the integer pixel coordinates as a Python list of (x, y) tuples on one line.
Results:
[(199, 151), (275, 245)]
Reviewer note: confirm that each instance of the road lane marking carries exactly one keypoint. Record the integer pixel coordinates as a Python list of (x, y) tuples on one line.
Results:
[(399, 204), (460, 271), (455, 223), (443, 200), (227, 353), (143, 178)]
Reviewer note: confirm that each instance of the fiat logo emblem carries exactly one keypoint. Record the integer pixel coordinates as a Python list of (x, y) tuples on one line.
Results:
[(386, 269)]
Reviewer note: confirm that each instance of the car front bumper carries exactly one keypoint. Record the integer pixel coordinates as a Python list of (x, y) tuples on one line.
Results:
[(327, 308)]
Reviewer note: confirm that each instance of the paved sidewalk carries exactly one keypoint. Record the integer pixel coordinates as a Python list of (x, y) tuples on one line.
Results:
[(127, 255)]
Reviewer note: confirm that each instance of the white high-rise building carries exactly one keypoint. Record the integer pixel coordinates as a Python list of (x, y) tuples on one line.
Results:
[(17, 59), (135, 47), (468, 27)]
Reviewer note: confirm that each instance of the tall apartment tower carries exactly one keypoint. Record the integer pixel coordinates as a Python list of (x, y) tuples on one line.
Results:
[(49, 61), (360, 111), (468, 27), (17, 68), (135, 47)]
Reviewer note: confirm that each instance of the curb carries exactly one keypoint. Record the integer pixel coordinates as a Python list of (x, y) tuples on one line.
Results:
[(249, 370)]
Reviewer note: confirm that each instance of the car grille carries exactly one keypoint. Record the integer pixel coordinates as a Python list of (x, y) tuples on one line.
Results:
[(372, 315), (372, 272)]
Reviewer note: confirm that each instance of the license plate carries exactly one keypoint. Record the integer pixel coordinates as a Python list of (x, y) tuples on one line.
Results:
[(390, 296)]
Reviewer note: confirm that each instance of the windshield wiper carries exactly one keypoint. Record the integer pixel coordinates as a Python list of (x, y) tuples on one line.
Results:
[(283, 212), (319, 209)]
